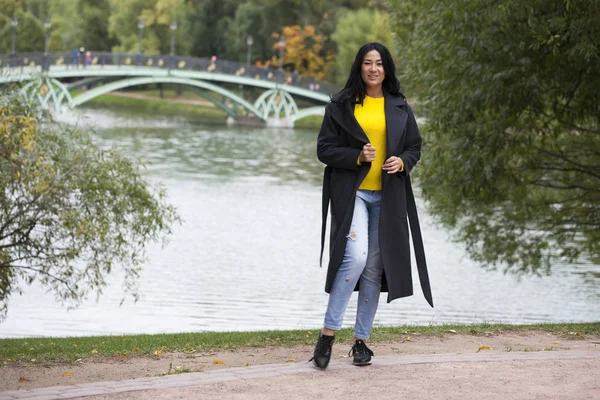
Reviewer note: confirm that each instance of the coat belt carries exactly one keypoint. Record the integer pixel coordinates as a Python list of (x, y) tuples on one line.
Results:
[(415, 230)]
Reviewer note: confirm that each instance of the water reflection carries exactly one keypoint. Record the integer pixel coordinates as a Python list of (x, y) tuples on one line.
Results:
[(246, 257), (192, 152)]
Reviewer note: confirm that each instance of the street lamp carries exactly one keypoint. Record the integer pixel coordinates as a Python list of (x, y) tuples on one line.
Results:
[(173, 29), (141, 28), (15, 22), (47, 30), (281, 46), (249, 42)]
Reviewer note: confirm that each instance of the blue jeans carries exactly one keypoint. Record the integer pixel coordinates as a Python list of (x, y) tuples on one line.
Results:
[(362, 260)]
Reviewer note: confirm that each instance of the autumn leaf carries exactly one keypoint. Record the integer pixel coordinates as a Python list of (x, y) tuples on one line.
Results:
[(24, 380), (483, 348), (94, 351), (451, 331), (157, 352), (289, 360), (218, 362), (67, 373)]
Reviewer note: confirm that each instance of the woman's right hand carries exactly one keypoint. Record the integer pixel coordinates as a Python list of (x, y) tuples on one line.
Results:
[(367, 153)]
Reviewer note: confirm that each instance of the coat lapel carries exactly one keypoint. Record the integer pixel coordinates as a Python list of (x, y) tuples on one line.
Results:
[(343, 113), (395, 121)]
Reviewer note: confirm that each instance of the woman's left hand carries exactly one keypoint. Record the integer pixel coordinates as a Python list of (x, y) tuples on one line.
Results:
[(393, 165)]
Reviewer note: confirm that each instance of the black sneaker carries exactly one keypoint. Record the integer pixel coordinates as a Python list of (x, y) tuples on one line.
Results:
[(362, 354), (322, 353)]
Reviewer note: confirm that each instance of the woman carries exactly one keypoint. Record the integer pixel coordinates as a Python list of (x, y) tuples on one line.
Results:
[(370, 142)]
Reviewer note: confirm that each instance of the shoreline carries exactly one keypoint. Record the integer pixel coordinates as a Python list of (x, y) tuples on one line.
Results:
[(35, 374), (193, 107), (68, 349)]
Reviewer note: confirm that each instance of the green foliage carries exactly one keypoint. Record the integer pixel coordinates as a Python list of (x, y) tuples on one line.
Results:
[(209, 22), (70, 213), (74, 348), (354, 29), (511, 93), (29, 31), (157, 15)]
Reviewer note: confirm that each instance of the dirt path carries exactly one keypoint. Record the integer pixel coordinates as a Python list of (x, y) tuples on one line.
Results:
[(22, 377)]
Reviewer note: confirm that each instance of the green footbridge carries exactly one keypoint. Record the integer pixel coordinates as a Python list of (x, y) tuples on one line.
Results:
[(50, 79)]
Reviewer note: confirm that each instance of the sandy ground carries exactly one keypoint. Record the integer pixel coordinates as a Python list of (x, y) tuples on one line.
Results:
[(22, 376), (570, 379)]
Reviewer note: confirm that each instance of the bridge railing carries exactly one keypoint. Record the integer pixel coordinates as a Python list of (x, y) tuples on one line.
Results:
[(68, 60)]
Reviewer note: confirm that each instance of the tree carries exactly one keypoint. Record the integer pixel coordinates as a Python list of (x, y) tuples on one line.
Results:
[(304, 49), (511, 94), (209, 22), (157, 15), (354, 29), (30, 31), (70, 213)]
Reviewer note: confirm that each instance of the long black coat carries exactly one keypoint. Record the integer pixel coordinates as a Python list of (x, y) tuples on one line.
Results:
[(339, 144)]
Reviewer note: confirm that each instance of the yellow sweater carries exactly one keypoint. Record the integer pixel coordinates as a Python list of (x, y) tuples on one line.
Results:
[(371, 117)]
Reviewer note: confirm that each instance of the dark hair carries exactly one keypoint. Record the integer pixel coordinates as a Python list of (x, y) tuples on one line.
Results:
[(355, 87)]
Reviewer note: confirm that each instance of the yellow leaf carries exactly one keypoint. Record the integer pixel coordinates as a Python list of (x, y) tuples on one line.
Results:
[(136, 349), (407, 339), (68, 373), (218, 362), (555, 342), (452, 331), (483, 348), (24, 380), (94, 351), (290, 360), (157, 352)]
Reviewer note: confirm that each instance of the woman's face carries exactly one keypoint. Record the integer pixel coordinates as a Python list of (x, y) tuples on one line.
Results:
[(372, 69)]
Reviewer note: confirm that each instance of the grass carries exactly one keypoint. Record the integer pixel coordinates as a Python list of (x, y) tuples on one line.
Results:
[(310, 122), (164, 107), (73, 348)]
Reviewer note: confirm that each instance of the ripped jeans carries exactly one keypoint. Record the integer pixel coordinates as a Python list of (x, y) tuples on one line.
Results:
[(362, 260)]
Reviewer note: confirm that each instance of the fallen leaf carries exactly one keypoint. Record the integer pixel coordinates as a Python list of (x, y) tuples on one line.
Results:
[(68, 373), (94, 351), (452, 331), (555, 342), (407, 339), (483, 348), (24, 380), (136, 349), (290, 360), (218, 362), (157, 352)]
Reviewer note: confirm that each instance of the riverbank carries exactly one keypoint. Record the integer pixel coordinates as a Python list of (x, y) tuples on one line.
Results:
[(283, 348), (186, 105)]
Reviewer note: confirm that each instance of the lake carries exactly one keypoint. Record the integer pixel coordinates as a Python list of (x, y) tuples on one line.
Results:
[(246, 256)]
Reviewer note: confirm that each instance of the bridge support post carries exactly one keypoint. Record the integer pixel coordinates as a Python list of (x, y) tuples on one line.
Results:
[(280, 123)]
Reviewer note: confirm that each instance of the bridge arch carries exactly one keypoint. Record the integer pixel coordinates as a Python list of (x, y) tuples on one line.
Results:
[(49, 92), (121, 84)]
